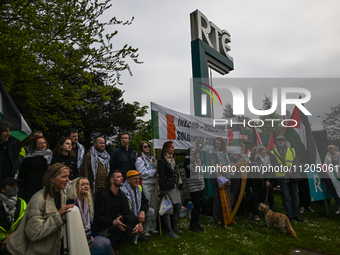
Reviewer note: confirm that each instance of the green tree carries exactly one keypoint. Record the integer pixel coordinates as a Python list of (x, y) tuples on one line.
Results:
[(55, 56), (108, 115), (143, 132)]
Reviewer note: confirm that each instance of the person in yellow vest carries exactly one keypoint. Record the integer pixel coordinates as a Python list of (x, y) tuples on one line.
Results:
[(285, 157), (12, 209)]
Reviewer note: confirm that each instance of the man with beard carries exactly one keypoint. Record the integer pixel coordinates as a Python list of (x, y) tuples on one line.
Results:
[(7, 155), (96, 166), (77, 148), (113, 217), (124, 157)]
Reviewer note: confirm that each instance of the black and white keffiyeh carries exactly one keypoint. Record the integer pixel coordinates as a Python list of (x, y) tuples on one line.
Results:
[(148, 160), (47, 154), (9, 204), (222, 156), (130, 195), (103, 157)]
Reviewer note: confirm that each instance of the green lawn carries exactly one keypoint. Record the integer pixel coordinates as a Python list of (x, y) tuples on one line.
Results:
[(318, 233)]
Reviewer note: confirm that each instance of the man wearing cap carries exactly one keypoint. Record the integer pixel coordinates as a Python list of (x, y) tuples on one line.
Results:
[(138, 203), (7, 156), (286, 156), (12, 209), (112, 216)]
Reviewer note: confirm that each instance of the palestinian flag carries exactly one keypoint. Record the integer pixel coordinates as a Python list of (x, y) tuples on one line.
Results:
[(301, 139), (256, 137), (10, 113), (271, 144)]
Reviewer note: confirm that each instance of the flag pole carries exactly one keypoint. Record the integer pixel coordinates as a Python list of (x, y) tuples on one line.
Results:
[(159, 217)]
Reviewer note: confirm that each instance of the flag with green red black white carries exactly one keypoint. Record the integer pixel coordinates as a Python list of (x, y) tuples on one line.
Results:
[(322, 183), (10, 113)]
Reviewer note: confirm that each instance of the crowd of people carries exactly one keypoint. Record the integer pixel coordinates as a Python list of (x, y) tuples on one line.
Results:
[(118, 195)]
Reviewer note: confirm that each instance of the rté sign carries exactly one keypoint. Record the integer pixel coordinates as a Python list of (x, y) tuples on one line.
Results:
[(208, 32)]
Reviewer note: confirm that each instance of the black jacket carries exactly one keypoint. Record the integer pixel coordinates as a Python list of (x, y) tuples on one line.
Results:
[(11, 154), (108, 207), (69, 161), (167, 176), (123, 160), (32, 171)]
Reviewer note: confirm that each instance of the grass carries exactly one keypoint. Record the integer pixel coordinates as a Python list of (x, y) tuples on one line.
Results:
[(318, 234)]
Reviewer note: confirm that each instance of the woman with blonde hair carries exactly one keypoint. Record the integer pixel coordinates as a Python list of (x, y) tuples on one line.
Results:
[(79, 194), (41, 229)]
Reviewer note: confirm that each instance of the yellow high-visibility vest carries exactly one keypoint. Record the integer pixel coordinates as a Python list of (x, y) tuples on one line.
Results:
[(290, 155)]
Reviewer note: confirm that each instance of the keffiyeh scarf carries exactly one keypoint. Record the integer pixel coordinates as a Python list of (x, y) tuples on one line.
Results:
[(47, 154), (9, 204), (103, 157), (85, 214), (148, 160), (130, 195), (222, 156)]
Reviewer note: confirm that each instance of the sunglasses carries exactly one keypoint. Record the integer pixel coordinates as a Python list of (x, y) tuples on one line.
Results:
[(146, 146)]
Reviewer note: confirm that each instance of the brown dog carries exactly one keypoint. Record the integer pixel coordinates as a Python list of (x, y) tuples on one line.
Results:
[(280, 219)]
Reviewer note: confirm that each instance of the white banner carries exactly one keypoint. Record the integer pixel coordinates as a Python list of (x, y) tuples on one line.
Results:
[(187, 130)]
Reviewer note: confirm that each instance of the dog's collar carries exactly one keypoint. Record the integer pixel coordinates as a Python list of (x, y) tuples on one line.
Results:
[(266, 211)]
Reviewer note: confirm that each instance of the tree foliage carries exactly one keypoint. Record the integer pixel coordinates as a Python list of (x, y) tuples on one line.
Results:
[(332, 123), (60, 67)]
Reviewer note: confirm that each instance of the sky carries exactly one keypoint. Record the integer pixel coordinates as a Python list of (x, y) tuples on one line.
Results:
[(269, 39)]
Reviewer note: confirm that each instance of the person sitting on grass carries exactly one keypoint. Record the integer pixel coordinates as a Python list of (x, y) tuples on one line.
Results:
[(41, 229), (113, 218), (138, 203), (79, 194)]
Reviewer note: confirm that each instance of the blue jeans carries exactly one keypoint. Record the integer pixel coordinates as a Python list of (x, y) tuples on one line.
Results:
[(289, 193), (101, 246)]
